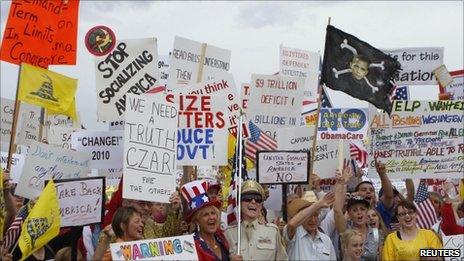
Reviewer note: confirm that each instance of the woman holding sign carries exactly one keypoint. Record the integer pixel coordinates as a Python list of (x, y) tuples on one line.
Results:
[(204, 212)]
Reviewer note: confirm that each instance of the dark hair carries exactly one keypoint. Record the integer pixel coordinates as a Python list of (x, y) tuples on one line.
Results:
[(363, 182), (362, 58), (405, 204), (122, 216)]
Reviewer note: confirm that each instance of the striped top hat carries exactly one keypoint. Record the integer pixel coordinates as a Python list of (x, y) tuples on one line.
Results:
[(195, 194)]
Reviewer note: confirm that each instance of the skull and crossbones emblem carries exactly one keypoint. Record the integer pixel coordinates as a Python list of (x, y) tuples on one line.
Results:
[(359, 66)]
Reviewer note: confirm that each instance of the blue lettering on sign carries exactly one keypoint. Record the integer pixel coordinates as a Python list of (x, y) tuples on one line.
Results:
[(194, 143)]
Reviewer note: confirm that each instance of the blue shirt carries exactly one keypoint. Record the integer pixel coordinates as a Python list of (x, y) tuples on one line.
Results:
[(387, 214)]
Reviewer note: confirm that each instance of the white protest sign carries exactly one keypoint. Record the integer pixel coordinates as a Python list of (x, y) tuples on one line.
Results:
[(44, 162), (282, 167), (454, 242), (60, 136), (17, 164), (345, 124), (163, 67), (417, 64), (58, 120), (301, 138), (203, 129), (81, 201), (27, 126), (130, 68), (150, 140), (301, 63), (222, 85), (275, 102), (116, 125), (456, 88), (168, 248), (106, 147), (193, 62), (422, 139), (110, 173)]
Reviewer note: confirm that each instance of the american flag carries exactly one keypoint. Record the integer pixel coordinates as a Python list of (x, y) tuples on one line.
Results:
[(401, 93), (258, 141), (232, 197), (13, 232), (426, 215), (359, 154)]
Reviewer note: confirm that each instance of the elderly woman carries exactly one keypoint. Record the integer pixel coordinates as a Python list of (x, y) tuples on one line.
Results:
[(406, 243), (127, 225), (204, 213)]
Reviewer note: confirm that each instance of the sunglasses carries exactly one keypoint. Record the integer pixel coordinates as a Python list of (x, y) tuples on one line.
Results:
[(251, 197)]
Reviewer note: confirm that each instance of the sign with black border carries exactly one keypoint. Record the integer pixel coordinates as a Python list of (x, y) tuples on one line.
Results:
[(81, 201), (282, 167)]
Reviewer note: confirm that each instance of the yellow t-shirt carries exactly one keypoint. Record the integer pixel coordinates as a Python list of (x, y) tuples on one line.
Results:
[(397, 249)]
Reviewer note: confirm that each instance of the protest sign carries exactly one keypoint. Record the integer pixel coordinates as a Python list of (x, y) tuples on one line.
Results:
[(301, 138), (346, 124), (454, 242), (203, 129), (106, 147), (116, 125), (275, 102), (163, 67), (301, 63), (222, 85), (130, 68), (150, 148), (422, 139), (41, 33), (417, 64), (60, 136), (456, 88), (168, 248), (57, 120), (110, 173), (193, 62), (282, 167), (45, 162), (17, 164), (81, 201), (27, 112)]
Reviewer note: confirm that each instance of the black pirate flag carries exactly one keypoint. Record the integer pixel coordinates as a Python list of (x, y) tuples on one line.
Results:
[(358, 69)]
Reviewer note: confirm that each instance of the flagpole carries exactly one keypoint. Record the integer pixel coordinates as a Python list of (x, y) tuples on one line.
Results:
[(238, 181), (16, 109)]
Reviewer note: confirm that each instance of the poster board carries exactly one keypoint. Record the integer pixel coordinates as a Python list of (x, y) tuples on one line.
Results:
[(17, 164), (417, 64), (150, 141), (168, 248), (456, 88), (44, 162), (422, 139), (81, 201), (186, 66), (130, 68), (275, 102), (106, 147), (343, 123), (454, 242), (203, 129), (282, 167)]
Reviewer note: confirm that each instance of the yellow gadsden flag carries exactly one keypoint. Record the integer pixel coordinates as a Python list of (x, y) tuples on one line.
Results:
[(43, 222), (45, 88), (70, 112)]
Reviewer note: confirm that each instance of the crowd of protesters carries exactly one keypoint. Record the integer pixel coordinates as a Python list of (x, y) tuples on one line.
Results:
[(342, 224)]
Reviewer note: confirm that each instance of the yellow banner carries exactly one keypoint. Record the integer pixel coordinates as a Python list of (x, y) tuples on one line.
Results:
[(71, 112), (43, 222), (45, 88)]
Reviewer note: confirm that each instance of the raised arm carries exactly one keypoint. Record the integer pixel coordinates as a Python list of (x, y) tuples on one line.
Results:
[(410, 190), (306, 213), (387, 198), (340, 194)]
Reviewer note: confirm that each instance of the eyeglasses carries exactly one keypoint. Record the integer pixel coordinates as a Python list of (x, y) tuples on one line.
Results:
[(250, 197), (403, 214)]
